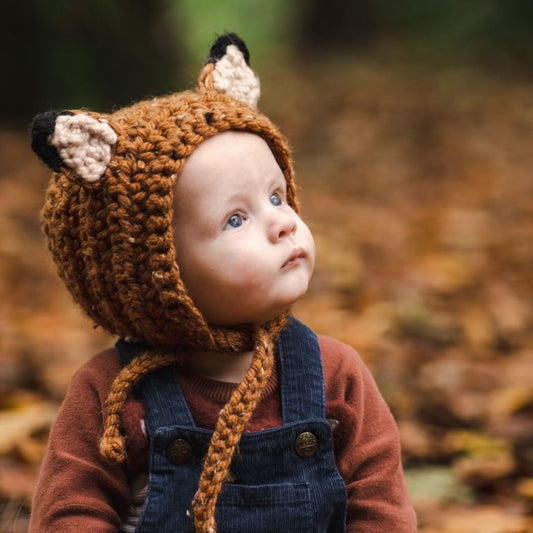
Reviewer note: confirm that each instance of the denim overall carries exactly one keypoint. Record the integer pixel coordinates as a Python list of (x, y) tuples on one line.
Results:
[(283, 479)]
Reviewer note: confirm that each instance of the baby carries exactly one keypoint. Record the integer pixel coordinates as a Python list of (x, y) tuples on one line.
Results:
[(174, 224)]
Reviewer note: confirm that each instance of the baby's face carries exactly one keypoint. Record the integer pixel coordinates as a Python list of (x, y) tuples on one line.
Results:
[(244, 254)]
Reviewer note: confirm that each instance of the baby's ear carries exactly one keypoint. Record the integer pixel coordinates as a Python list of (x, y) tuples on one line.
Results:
[(227, 70), (77, 141)]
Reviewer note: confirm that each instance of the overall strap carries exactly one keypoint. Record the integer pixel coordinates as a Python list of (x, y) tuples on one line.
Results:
[(303, 392), (161, 391)]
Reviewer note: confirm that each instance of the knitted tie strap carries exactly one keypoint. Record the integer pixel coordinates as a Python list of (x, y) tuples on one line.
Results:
[(112, 446), (228, 431)]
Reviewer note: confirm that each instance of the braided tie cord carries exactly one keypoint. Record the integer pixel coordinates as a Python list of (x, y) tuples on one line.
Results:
[(228, 431), (230, 425), (112, 446)]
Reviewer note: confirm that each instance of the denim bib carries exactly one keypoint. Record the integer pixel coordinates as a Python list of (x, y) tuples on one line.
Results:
[(283, 479)]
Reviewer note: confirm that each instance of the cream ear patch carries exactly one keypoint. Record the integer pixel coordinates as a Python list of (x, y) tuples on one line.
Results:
[(235, 78), (84, 144)]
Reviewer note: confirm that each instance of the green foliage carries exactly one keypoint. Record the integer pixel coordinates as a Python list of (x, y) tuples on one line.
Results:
[(490, 31), (265, 26), (107, 53)]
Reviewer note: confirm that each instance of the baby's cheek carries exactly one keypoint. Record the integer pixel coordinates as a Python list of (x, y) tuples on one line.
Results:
[(306, 238), (250, 277)]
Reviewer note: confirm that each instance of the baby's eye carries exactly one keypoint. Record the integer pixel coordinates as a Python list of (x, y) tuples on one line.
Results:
[(275, 199), (234, 221)]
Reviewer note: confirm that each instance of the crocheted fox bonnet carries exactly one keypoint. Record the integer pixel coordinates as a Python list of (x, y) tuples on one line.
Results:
[(108, 220)]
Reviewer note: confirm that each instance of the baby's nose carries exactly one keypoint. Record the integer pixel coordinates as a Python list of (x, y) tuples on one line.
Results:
[(282, 224)]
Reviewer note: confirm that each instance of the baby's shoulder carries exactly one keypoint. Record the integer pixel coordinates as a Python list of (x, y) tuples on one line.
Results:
[(339, 357), (97, 373), (345, 374)]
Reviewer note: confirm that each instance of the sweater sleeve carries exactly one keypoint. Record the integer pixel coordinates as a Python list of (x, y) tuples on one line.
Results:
[(367, 447), (78, 491)]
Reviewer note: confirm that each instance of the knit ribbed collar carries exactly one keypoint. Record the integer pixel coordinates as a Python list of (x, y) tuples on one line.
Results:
[(217, 391)]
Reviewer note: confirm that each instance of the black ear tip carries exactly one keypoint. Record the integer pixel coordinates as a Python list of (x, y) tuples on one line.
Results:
[(42, 126), (218, 50)]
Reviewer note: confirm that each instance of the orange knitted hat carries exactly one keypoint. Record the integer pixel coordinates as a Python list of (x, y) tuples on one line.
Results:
[(108, 219)]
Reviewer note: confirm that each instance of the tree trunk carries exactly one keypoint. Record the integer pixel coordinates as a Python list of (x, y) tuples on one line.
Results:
[(86, 53), (336, 25)]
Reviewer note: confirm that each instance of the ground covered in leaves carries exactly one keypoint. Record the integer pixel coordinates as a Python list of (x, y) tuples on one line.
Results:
[(417, 185)]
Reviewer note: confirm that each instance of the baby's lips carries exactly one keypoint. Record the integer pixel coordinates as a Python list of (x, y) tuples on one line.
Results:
[(298, 253)]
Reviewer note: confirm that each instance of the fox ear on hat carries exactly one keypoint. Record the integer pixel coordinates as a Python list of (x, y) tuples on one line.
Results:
[(74, 140), (227, 70)]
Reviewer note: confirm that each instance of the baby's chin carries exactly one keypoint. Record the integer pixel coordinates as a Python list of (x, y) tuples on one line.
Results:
[(255, 321)]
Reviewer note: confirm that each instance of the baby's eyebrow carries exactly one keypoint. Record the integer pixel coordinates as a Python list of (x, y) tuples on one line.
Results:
[(235, 198), (277, 178)]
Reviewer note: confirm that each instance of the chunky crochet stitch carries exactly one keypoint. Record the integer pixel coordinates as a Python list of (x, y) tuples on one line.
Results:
[(108, 219)]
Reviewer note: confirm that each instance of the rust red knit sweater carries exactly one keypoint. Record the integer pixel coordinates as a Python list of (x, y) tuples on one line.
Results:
[(77, 491)]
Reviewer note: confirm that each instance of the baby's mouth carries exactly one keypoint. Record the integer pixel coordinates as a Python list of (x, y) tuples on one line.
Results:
[(296, 255)]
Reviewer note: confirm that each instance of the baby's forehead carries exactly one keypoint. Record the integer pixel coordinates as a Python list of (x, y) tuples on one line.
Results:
[(226, 143), (227, 154), (226, 169)]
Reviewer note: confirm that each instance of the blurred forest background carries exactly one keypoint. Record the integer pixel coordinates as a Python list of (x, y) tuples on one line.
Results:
[(412, 125)]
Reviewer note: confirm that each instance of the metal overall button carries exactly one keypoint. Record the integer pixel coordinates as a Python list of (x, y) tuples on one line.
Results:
[(306, 444), (179, 451)]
